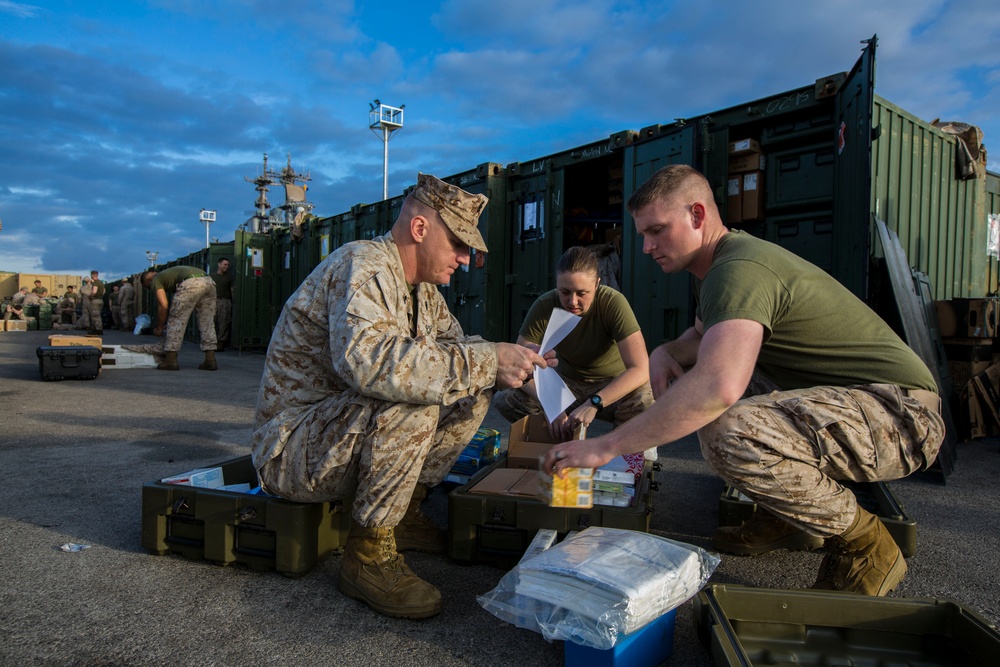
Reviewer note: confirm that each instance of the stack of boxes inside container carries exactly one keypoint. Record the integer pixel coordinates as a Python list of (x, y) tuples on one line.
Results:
[(968, 330), (745, 184)]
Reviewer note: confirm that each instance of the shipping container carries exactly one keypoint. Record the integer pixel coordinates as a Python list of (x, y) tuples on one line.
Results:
[(9, 285)]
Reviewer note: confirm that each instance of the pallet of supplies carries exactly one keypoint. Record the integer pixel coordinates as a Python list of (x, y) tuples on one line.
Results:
[(117, 357)]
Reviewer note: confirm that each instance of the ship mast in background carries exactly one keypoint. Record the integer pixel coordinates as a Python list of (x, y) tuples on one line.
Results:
[(295, 208)]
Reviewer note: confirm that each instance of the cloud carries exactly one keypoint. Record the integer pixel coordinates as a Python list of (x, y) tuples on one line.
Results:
[(19, 9)]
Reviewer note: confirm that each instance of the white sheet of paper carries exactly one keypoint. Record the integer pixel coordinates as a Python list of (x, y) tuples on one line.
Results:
[(560, 324), (553, 393)]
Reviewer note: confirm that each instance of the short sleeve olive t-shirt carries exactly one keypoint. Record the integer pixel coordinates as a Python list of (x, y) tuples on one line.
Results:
[(169, 279), (590, 351), (816, 332), (223, 285)]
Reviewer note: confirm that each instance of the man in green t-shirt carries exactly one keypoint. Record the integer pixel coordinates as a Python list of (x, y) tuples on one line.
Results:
[(95, 305), (191, 291), (40, 291), (223, 302), (855, 403)]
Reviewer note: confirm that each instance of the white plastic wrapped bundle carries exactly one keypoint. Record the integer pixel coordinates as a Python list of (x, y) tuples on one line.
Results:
[(143, 321), (600, 584)]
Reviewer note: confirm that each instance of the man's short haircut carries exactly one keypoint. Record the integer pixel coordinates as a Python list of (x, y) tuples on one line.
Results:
[(665, 183)]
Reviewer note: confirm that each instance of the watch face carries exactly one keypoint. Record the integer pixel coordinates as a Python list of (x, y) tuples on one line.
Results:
[(595, 401)]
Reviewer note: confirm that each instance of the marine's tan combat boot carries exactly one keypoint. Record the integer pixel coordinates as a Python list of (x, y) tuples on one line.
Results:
[(864, 559), (416, 532), (761, 533), (373, 571), (169, 362), (209, 363)]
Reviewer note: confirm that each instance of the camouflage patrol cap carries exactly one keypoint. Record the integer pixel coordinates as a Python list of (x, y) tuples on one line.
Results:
[(459, 209)]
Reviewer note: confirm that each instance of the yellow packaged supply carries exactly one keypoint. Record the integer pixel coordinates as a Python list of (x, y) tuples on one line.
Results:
[(576, 489)]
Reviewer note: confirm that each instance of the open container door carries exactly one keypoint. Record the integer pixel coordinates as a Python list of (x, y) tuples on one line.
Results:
[(535, 194), (853, 173)]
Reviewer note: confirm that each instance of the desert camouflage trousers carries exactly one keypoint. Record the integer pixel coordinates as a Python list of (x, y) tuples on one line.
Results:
[(57, 315), (126, 316), (403, 444), (787, 450), (83, 322), (95, 321)]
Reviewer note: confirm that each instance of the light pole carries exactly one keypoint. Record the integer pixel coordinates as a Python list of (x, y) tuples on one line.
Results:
[(208, 217), (385, 119), (151, 255)]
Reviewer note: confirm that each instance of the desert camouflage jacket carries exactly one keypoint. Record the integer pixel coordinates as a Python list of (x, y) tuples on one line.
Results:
[(346, 335)]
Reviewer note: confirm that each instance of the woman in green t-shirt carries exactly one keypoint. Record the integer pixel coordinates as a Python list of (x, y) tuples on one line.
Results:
[(603, 360)]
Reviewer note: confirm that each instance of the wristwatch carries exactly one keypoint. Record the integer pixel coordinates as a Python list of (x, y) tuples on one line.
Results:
[(596, 401)]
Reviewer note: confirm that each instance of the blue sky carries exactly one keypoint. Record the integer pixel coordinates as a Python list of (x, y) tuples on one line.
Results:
[(119, 121)]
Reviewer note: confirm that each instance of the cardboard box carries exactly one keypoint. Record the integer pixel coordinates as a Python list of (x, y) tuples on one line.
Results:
[(744, 146), (17, 325), (967, 357), (529, 441), (753, 196), (516, 482), (734, 199), (62, 340), (620, 476), (739, 164), (984, 391), (972, 318), (978, 426)]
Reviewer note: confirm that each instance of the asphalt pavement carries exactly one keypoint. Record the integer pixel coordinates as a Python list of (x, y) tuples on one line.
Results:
[(74, 456)]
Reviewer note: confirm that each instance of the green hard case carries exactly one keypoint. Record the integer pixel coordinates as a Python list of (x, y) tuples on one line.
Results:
[(259, 531)]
